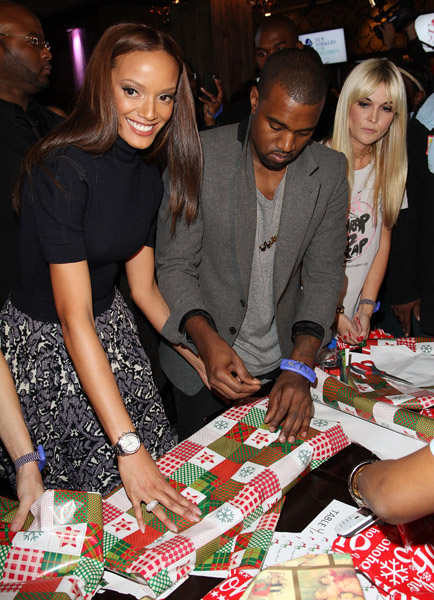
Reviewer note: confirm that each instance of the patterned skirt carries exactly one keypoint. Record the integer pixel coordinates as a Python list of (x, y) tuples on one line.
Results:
[(56, 409)]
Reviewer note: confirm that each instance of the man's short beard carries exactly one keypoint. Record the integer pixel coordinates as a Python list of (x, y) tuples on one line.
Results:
[(271, 165), (15, 68)]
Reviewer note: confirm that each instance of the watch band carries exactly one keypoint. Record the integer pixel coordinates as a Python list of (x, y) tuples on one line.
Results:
[(38, 456), (288, 364)]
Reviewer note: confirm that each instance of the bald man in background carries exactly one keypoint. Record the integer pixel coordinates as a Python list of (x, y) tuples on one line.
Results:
[(273, 34), (24, 71)]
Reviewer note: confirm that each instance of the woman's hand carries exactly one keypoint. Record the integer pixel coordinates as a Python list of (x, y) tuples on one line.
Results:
[(144, 482), (347, 331), (362, 320), (29, 488), (362, 323)]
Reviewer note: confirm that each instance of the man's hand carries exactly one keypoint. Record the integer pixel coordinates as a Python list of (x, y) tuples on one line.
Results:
[(290, 402), (227, 374), (290, 399), (211, 104), (404, 311)]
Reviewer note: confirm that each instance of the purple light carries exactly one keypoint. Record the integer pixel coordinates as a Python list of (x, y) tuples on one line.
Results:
[(76, 46)]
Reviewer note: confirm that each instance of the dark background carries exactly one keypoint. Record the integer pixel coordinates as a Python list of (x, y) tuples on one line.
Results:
[(216, 35)]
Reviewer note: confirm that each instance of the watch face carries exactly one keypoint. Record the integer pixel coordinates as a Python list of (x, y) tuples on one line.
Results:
[(129, 443)]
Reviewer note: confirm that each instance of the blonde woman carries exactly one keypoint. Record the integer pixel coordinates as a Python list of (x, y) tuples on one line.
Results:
[(370, 129)]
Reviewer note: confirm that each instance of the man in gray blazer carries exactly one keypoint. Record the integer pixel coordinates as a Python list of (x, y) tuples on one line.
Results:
[(255, 280)]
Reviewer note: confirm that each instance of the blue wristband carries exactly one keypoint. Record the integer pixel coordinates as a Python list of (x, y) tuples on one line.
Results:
[(288, 364), (373, 303), (42, 458), (218, 113)]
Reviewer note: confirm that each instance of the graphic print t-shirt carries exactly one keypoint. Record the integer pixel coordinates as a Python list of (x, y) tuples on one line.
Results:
[(364, 232)]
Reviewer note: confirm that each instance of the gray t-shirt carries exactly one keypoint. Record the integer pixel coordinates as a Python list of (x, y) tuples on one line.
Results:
[(257, 342)]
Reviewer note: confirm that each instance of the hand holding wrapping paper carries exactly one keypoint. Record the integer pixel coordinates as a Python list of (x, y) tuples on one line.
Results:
[(234, 469), (152, 485)]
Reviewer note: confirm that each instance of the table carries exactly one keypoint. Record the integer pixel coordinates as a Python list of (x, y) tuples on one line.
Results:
[(304, 501)]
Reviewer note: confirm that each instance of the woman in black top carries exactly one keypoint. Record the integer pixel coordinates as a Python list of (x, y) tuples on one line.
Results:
[(88, 202)]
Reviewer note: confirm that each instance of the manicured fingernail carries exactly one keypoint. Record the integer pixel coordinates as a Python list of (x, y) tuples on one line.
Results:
[(142, 528), (198, 511), (291, 439), (272, 429), (360, 338), (173, 528), (195, 518), (345, 337), (304, 434)]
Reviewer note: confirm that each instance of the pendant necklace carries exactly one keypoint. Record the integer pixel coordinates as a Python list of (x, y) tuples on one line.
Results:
[(271, 241), (278, 199)]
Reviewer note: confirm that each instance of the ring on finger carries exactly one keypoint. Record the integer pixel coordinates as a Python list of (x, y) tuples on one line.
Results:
[(151, 505)]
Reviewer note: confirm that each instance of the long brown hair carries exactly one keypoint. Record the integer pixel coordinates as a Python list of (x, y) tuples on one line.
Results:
[(93, 124)]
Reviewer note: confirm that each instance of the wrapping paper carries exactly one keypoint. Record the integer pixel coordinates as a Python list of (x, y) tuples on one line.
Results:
[(234, 469), (248, 549), (376, 388), (417, 344), (60, 552), (398, 560), (368, 406)]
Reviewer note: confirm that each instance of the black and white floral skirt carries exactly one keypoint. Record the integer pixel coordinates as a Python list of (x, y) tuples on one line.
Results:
[(57, 411)]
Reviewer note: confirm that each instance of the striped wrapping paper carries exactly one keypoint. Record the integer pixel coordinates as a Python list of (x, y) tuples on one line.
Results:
[(367, 405)]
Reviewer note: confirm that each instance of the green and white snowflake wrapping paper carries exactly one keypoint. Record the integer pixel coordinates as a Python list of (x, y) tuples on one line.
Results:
[(236, 471), (59, 553), (374, 404)]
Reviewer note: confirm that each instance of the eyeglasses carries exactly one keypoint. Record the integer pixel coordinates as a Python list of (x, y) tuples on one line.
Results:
[(34, 40)]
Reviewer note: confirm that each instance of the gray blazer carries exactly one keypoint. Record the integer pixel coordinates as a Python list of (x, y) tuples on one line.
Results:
[(207, 265)]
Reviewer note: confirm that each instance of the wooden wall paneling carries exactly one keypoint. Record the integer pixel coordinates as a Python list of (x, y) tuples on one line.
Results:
[(190, 26), (233, 42)]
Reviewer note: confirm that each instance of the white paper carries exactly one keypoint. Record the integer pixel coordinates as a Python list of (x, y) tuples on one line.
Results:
[(416, 367)]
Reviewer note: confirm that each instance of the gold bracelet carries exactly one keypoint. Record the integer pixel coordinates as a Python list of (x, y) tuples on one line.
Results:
[(352, 483)]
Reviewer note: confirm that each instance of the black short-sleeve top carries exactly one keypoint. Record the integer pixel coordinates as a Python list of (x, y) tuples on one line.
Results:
[(81, 206)]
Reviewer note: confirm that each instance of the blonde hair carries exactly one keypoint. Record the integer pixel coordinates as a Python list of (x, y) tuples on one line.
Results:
[(390, 152)]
